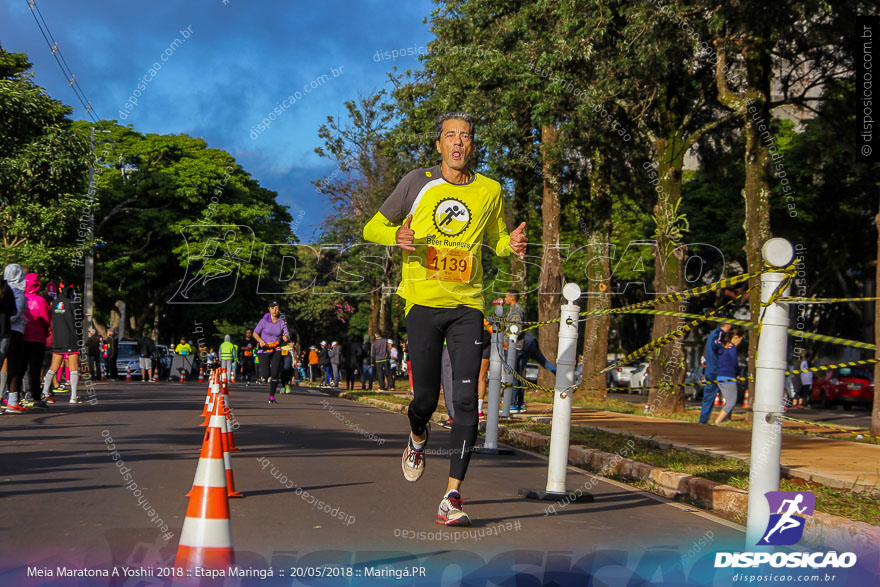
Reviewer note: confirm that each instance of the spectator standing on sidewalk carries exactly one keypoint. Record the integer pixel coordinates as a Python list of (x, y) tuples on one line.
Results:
[(146, 351), (710, 390), (335, 354), (324, 363), (93, 349), (352, 360), (36, 333), (366, 363), (381, 363), (227, 356), (728, 365), (806, 383)]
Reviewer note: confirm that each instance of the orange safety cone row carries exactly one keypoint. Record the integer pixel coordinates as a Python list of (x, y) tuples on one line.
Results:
[(210, 399), (218, 421), (224, 389), (206, 536), (746, 400)]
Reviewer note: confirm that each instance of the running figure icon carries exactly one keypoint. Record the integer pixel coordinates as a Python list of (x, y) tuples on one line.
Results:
[(787, 522)]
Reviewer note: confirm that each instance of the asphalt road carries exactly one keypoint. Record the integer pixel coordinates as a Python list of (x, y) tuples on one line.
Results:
[(65, 503)]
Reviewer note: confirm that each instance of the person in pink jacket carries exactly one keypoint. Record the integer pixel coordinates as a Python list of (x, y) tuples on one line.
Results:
[(36, 333)]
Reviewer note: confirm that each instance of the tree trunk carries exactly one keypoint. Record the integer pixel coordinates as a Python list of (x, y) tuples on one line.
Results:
[(875, 410), (550, 282), (375, 306), (666, 362), (756, 115), (757, 158), (595, 350)]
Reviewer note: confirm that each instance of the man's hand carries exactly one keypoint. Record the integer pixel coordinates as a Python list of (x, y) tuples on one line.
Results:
[(518, 240), (405, 235)]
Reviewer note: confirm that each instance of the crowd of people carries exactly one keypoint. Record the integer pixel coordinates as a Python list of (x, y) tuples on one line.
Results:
[(39, 342)]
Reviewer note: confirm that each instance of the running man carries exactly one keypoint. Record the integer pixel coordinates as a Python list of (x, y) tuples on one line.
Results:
[(438, 217), (786, 522), (270, 332)]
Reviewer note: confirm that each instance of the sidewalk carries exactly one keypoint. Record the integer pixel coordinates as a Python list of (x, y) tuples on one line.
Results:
[(835, 463)]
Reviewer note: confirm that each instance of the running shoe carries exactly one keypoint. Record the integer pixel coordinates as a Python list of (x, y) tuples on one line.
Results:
[(272, 399), (40, 405), (481, 416), (522, 409), (16, 409), (286, 389), (61, 389), (450, 513), (413, 460), (76, 400), (49, 399), (27, 402)]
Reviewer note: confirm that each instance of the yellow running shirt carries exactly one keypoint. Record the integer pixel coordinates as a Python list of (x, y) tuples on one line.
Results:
[(449, 222)]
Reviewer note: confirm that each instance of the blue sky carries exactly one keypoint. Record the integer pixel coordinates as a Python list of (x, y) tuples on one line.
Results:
[(241, 60)]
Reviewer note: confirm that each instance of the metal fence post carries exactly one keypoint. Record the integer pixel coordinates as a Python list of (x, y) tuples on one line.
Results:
[(490, 444), (770, 365), (566, 361)]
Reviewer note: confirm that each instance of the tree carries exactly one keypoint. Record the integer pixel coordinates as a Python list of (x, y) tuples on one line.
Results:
[(168, 201), (43, 174), (365, 175)]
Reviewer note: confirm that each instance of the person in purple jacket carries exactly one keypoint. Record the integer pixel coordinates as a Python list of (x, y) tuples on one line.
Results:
[(270, 332)]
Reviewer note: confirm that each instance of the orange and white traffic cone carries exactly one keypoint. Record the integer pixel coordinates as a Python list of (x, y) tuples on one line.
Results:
[(206, 536), (717, 400), (224, 391), (103, 372), (183, 375), (746, 400), (210, 399), (227, 446), (128, 373), (232, 375), (218, 420), (155, 375), (201, 373)]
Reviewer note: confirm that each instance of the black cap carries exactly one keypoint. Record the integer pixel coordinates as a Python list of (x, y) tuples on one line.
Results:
[(274, 303)]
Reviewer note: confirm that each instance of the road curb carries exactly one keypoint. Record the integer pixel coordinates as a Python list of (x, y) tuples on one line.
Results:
[(821, 529)]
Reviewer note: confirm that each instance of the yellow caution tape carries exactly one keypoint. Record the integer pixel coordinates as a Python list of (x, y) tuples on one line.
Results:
[(836, 429)]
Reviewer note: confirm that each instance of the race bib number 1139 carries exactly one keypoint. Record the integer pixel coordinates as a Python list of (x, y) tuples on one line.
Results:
[(450, 264)]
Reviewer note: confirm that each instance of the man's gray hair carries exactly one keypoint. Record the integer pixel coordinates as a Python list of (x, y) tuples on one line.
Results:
[(438, 122)]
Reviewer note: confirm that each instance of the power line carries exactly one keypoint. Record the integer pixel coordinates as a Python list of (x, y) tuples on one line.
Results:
[(59, 59)]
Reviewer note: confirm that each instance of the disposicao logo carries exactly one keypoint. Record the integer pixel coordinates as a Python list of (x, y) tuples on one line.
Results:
[(786, 528)]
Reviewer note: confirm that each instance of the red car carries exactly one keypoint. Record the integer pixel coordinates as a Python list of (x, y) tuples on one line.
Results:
[(843, 385)]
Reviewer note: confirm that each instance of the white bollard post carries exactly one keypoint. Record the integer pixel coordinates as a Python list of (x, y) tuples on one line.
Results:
[(508, 378), (566, 362), (493, 396), (770, 365)]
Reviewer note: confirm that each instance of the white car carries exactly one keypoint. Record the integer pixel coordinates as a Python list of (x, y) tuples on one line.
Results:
[(640, 376)]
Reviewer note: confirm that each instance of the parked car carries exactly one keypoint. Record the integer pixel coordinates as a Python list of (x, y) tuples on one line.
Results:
[(619, 376), (693, 383), (843, 385), (164, 358), (639, 377), (128, 357)]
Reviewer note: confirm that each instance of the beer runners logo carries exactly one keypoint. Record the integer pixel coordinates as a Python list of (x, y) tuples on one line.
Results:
[(786, 526), (451, 216)]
